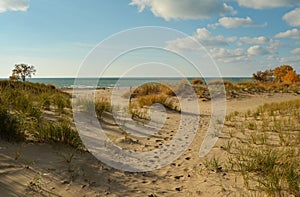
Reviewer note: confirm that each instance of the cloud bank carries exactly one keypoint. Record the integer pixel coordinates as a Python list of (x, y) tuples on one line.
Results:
[(187, 9)]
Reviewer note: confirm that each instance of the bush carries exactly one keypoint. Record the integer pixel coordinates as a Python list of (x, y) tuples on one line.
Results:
[(196, 82)]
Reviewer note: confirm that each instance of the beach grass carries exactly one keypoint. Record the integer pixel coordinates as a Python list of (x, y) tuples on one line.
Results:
[(25, 109), (267, 152)]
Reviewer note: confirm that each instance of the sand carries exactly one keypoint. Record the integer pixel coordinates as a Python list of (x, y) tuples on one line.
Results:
[(58, 170)]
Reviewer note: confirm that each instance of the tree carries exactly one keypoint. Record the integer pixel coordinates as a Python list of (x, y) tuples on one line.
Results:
[(281, 71), (21, 71), (290, 77), (263, 76)]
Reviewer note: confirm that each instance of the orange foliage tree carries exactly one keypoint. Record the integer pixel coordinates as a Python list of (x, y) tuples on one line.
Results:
[(281, 74), (290, 77), (281, 71)]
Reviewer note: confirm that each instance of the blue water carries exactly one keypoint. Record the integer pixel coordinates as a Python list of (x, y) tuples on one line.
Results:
[(112, 82)]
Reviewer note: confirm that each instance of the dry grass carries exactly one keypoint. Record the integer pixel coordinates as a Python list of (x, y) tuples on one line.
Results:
[(152, 88), (148, 94)]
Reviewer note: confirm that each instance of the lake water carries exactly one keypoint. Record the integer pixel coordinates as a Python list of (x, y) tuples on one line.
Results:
[(112, 82)]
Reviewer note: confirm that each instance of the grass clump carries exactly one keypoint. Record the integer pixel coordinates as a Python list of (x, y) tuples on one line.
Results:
[(10, 127), (152, 89), (99, 106), (149, 94), (197, 81), (61, 131), (102, 106)]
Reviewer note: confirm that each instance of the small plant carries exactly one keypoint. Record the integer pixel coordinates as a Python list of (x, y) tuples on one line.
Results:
[(252, 126), (19, 151), (213, 164), (69, 157), (36, 183), (227, 147), (231, 133)]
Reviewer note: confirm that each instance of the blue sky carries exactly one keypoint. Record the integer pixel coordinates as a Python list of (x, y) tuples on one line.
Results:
[(242, 36)]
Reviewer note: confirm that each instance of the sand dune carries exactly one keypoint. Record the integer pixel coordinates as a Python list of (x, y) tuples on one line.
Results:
[(58, 170)]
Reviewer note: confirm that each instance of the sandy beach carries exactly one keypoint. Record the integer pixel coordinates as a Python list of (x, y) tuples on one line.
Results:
[(33, 169)]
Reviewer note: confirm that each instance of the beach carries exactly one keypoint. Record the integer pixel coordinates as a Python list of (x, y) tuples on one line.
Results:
[(55, 169)]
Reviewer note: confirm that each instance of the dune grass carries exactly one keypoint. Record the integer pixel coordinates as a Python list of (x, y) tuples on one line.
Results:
[(266, 150), (10, 127), (23, 109), (98, 106), (149, 94)]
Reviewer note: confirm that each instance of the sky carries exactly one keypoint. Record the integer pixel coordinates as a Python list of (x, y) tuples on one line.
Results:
[(239, 36)]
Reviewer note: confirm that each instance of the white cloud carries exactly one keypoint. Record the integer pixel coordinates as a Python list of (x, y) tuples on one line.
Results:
[(228, 55), (255, 40), (272, 58), (257, 50), (204, 37), (262, 4), (292, 59), (293, 33), (13, 5), (295, 51), (293, 17), (234, 22), (187, 9)]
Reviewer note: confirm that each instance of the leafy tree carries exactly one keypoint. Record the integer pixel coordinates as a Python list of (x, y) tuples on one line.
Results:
[(263, 76), (281, 71), (291, 77), (21, 71)]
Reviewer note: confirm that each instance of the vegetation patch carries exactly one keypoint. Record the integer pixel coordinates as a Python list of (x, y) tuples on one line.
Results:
[(266, 150), (24, 111)]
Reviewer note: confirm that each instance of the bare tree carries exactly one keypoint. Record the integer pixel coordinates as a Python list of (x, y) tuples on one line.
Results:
[(21, 71)]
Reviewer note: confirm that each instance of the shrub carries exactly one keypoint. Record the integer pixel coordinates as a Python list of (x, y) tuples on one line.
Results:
[(196, 82)]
